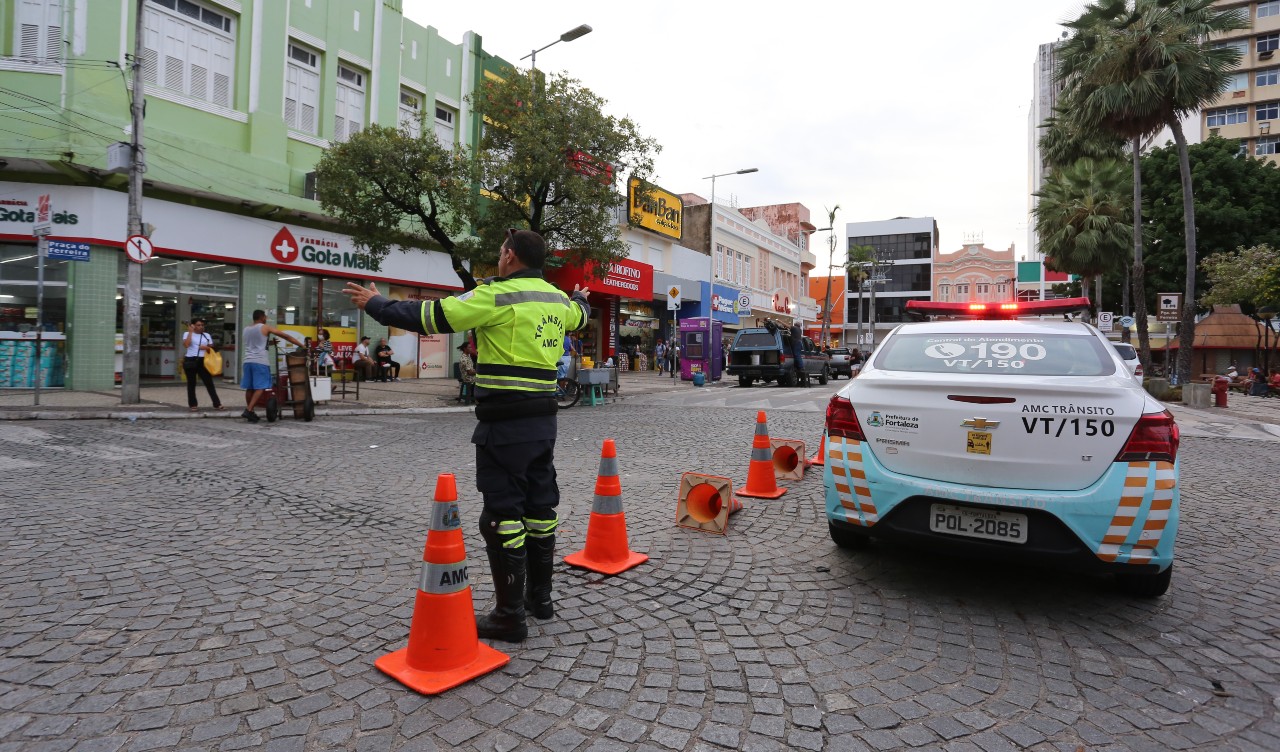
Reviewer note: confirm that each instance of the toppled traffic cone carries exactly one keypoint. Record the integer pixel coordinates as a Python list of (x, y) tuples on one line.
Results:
[(820, 459), (444, 650), (607, 551), (705, 502), (760, 481), (788, 458)]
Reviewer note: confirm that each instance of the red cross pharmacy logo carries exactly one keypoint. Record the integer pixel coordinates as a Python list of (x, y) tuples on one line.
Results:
[(284, 247)]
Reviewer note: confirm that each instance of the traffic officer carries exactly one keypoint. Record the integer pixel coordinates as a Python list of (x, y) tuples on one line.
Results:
[(520, 322)]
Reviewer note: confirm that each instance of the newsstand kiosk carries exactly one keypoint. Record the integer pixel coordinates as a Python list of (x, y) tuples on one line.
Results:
[(700, 349)]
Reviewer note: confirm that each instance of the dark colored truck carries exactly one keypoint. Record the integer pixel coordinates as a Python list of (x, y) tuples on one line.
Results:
[(764, 354)]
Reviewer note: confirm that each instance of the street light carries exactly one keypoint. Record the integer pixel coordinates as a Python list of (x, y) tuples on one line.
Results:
[(568, 36), (711, 250)]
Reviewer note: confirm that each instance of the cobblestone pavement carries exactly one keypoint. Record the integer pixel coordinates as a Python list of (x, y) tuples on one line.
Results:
[(219, 585)]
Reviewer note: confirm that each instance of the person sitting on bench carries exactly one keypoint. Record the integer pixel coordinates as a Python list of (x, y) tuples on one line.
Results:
[(388, 369)]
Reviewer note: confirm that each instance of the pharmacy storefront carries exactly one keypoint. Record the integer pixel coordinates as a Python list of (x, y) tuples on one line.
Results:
[(207, 264)]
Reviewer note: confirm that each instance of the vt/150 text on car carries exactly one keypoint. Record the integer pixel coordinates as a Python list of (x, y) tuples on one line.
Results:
[(1012, 438)]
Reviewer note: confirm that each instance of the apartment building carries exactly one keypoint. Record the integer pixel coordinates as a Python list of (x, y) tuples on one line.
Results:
[(1249, 110), (910, 244), (242, 97)]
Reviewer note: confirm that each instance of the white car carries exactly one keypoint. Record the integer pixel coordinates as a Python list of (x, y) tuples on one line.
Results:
[(1129, 354), (1013, 438)]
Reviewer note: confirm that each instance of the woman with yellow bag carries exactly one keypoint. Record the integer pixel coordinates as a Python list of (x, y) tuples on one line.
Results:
[(198, 345)]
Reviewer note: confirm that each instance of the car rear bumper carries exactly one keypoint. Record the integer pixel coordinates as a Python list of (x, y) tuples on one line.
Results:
[(1126, 521)]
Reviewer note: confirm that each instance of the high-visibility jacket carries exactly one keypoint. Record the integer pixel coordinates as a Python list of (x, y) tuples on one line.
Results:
[(520, 324)]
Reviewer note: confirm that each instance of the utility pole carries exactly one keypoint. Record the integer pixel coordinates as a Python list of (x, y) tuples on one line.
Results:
[(876, 265), (129, 393), (831, 254)]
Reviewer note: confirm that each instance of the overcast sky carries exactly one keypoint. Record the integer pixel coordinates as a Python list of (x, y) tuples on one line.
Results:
[(885, 109)]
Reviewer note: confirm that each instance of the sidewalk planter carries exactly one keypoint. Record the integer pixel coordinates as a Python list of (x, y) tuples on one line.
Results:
[(1196, 395)]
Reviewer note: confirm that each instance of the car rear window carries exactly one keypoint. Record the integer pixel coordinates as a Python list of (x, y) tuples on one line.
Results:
[(755, 339), (1126, 351), (997, 353), (840, 351)]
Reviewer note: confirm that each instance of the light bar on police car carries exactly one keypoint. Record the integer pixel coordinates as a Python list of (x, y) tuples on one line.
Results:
[(997, 310)]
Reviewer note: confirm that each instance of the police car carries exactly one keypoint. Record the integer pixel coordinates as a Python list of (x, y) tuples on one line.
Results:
[(1011, 437)]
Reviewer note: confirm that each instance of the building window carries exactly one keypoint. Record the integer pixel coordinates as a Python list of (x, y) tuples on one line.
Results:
[(746, 277), (1242, 148), (38, 30), (411, 112), (1267, 111), (1228, 116), (1237, 82), (1267, 77), (189, 49), (302, 90), (348, 104), (1267, 145), (1268, 8), (1268, 42), (1241, 46), (944, 293), (445, 118), (983, 288)]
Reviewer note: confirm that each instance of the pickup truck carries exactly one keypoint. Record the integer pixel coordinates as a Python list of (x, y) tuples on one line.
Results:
[(764, 354), (841, 362)]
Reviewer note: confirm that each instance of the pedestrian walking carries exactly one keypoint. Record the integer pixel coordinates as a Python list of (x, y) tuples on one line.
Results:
[(520, 321), (195, 344), (660, 356), (256, 376)]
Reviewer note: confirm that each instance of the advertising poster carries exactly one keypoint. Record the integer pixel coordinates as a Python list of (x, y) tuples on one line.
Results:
[(433, 357)]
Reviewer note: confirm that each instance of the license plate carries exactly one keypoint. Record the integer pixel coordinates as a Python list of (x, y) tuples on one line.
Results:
[(979, 442), (978, 523)]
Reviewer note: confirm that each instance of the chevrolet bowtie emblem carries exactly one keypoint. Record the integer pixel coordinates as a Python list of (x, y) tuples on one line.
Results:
[(980, 424)]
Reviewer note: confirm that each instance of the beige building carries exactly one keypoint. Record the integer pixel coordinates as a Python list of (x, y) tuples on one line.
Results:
[(1249, 110)]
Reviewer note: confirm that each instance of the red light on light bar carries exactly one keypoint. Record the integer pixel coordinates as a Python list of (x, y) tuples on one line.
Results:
[(1008, 306), (977, 307), (994, 311)]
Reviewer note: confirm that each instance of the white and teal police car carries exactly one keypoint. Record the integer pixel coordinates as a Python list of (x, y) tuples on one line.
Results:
[(1011, 437)]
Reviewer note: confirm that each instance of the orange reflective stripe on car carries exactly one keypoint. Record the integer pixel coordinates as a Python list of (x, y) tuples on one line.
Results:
[(845, 459), (1135, 488)]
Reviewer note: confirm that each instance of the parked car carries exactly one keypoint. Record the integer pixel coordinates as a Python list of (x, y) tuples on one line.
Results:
[(1129, 354), (764, 354), (1017, 439), (841, 362)]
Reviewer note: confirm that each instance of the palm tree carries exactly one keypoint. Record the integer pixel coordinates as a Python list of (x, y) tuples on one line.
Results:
[(1082, 217), (831, 254), (1135, 66)]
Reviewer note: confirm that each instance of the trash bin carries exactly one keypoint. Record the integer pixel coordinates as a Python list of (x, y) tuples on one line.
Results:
[(1220, 387)]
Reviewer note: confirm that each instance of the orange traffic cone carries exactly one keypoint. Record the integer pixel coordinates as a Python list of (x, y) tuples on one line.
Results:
[(760, 481), (607, 551), (444, 650), (820, 459), (705, 502), (788, 459)]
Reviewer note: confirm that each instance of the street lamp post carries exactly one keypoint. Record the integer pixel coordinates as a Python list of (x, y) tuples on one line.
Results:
[(711, 248), (826, 304), (570, 35)]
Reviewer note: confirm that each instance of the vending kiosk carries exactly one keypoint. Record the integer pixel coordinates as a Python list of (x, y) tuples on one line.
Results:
[(700, 349)]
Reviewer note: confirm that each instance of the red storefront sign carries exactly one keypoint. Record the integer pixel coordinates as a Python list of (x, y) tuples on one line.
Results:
[(626, 279)]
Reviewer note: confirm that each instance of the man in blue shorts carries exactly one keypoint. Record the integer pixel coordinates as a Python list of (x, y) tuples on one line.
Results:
[(257, 373)]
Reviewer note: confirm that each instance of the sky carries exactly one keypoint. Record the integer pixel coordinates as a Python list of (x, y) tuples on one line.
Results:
[(883, 109)]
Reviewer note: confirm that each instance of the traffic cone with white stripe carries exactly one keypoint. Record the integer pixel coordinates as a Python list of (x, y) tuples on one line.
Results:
[(607, 551), (444, 649), (760, 481)]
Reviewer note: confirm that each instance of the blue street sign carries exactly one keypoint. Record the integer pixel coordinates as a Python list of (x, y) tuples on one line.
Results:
[(61, 249), (1127, 322)]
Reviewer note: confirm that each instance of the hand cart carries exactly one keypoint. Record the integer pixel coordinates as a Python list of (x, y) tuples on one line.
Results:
[(293, 387)]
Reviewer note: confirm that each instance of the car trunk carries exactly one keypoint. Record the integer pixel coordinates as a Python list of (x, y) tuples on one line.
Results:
[(1055, 433), (753, 357)]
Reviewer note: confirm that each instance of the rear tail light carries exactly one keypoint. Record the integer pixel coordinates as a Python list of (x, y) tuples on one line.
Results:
[(1154, 438), (1138, 371), (842, 421)]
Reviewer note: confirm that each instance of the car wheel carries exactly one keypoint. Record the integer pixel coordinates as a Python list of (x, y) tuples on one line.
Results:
[(744, 381), (854, 540), (823, 377), (1146, 585)]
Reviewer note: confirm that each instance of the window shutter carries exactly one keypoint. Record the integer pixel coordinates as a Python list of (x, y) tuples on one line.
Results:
[(308, 100), (223, 70), (291, 95), (199, 57), (339, 114), (31, 19), (174, 56), (355, 112), (151, 43)]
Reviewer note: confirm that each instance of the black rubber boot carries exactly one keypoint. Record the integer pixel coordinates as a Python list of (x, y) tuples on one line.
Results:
[(506, 621), (541, 557)]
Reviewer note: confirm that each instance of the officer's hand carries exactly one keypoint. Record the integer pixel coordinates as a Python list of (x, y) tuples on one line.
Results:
[(581, 289), (360, 295)]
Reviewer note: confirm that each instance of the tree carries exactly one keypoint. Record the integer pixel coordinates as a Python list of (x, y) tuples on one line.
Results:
[(392, 188), (548, 160), (831, 255), (1063, 141), (1137, 66), (1082, 217), (1246, 277), (1236, 200), (858, 265)]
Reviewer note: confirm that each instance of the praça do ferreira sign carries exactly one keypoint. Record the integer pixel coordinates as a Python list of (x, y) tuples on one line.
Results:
[(652, 208), (288, 248)]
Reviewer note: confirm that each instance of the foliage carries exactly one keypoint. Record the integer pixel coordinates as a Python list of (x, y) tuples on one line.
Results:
[(1063, 140), (1083, 217), (1236, 199), (1245, 276), (550, 160), (391, 188)]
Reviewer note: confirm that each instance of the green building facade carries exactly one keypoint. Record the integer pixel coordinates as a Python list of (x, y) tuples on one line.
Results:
[(242, 98)]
